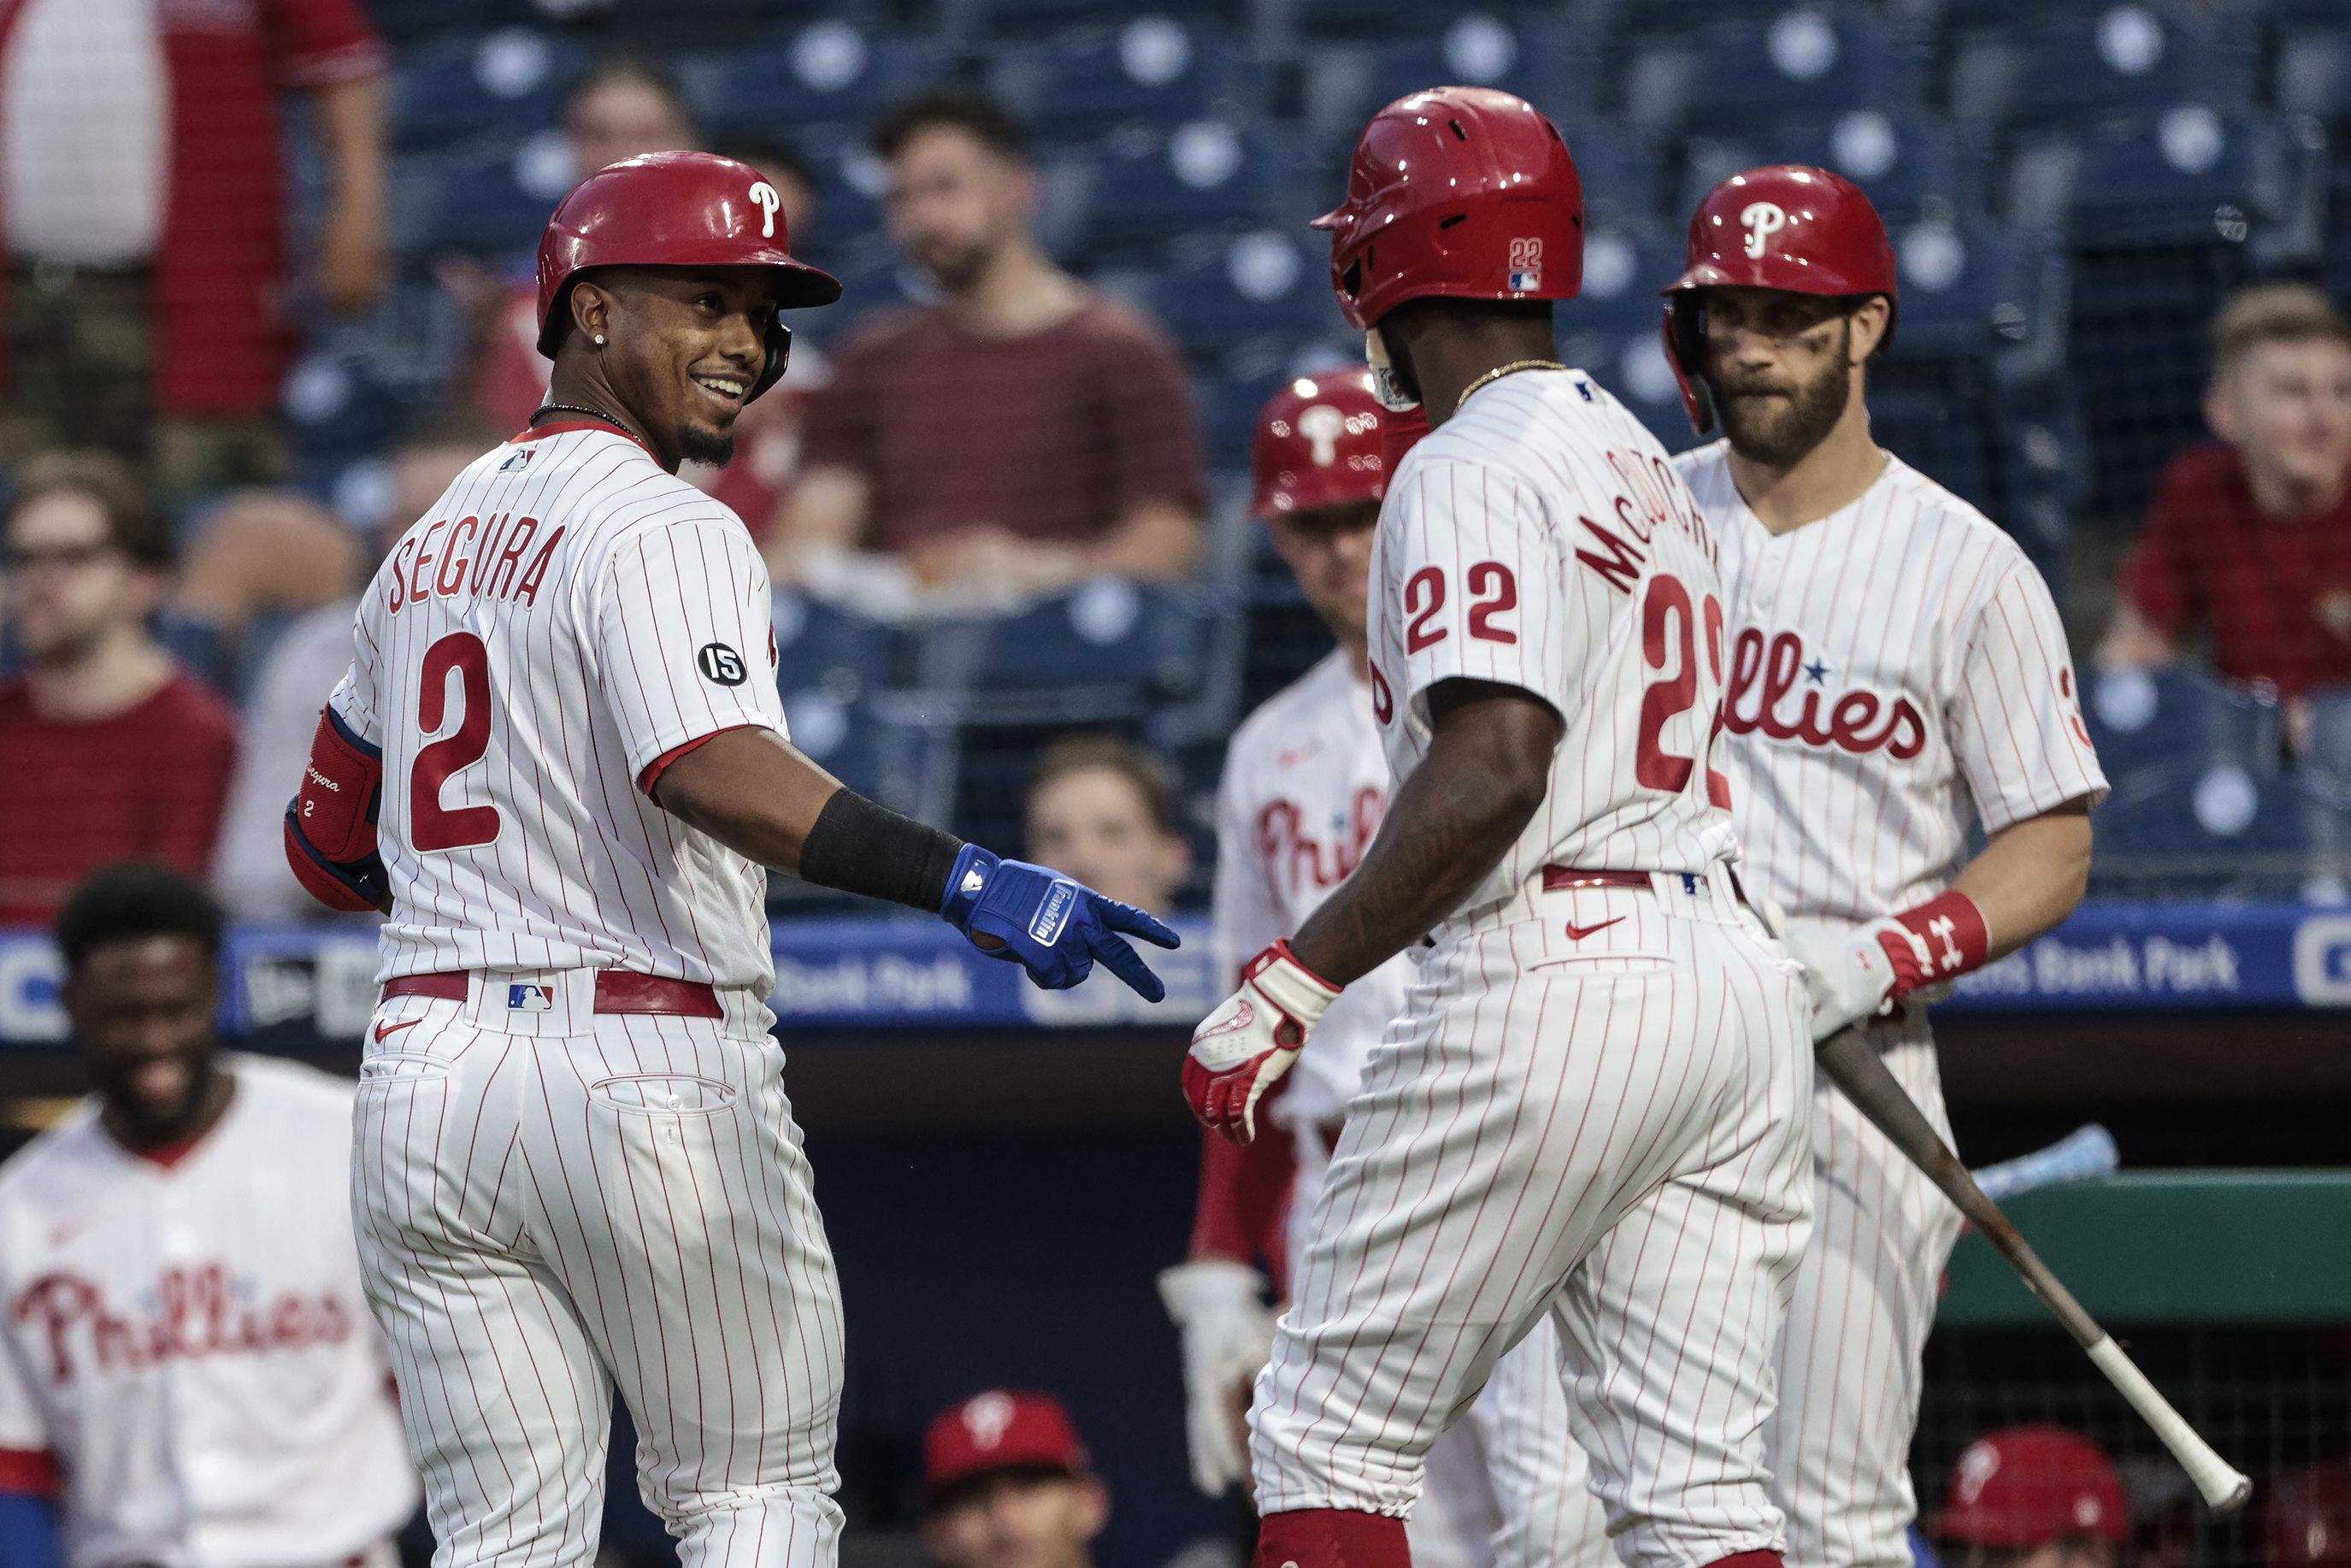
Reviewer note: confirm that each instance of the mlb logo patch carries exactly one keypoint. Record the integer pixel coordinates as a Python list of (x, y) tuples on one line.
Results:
[(521, 459), (530, 1000), (1526, 266)]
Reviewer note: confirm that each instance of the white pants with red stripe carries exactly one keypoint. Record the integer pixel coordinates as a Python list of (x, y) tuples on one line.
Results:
[(552, 1202), (1507, 1486), (1849, 1365), (1613, 1132)]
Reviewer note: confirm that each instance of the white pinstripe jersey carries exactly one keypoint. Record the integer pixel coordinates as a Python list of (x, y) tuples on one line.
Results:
[(1897, 672), (190, 1343), (1304, 788), (562, 624), (1540, 538)]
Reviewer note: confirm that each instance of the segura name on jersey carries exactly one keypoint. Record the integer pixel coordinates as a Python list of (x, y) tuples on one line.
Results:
[(479, 557)]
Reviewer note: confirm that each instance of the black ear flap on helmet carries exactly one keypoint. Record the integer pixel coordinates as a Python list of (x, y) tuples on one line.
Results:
[(1683, 332)]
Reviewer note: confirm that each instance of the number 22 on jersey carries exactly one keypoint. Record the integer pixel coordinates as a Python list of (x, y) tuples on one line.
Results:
[(432, 824)]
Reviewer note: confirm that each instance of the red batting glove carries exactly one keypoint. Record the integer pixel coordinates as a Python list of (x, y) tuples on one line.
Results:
[(1243, 1048)]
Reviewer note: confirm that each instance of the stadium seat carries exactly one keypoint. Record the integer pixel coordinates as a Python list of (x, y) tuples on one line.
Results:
[(1730, 76), (2185, 175), (1107, 651), (1623, 177), (1915, 167), (2326, 755), (859, 741), (1345, 83), (2065, 67), (1154, 69), (1144, 184), (1265, 285), (2217, 830), (1989, 290), (493, 204), (2313, 72), (829, 72), (1021, 19), (2147, 721), (819, 646), (337, 409), (1328, 19), (506, 83)]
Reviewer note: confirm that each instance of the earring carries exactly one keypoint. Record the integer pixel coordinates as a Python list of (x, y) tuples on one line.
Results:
[(600, 340)]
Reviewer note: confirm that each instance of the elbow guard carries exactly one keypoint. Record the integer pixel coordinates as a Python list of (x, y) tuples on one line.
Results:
[(331, 825)]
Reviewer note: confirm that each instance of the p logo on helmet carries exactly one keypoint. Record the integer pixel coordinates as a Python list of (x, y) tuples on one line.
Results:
[(769, 200), (1762, 220)]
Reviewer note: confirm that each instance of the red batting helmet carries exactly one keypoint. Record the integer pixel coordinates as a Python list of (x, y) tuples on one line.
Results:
[(1458, 192), (2030, 1486), (1786, 227), (1318, 445), (675, 209)]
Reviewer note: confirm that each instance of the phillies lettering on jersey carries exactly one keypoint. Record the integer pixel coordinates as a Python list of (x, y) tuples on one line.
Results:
[(155, 1319), (565, 621), (1547, 544)]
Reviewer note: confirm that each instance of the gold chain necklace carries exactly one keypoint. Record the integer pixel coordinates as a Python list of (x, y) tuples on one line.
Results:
[(1498, 372)]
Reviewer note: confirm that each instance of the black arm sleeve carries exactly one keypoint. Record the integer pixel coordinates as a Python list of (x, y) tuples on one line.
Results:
[(857, 846)]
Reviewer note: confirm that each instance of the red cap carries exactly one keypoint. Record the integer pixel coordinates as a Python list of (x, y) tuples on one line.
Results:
[(1001, 1429), (2028, 1486), (675, 209), (2308, 1517), (1318, 445), (1458, 192), (1787, 227)]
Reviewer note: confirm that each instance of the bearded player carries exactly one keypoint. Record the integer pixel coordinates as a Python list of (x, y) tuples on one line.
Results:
[(559, 762), (1595, 1106), (1897, 673), (1305, 784)]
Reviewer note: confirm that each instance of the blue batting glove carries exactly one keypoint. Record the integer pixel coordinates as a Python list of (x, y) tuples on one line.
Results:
[(1051, 925)]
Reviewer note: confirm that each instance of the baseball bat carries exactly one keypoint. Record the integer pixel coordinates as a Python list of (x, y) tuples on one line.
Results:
[(2085, 1154), (1852, 1063)]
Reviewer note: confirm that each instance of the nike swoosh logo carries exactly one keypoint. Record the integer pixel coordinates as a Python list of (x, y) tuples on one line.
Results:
[(383, 1029), (1578, 933)]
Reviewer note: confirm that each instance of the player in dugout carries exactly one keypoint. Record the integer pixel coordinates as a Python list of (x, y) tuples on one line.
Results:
[(188, 1372), (1008, 1485)]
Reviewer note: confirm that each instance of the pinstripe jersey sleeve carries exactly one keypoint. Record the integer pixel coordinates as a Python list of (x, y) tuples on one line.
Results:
[(681, 626), (1243, 917), (1478, 589), (2017, 722), (353, 698)]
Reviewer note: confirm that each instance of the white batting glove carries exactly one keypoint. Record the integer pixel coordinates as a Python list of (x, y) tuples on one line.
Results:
[(1845, 969), (1228, 1339), (1243, 1048)]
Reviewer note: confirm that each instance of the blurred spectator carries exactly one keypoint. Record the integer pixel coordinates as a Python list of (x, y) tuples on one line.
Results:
[(623, 107), (2249, 540), (2033, 1497), (190, 1368), (110, 749), (1010, 1486), (149, 271), (2306, 1516), (1020, 435), (1110, 814), (249, 872)]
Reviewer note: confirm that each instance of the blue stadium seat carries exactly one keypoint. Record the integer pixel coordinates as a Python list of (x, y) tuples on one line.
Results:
[(1552, 65), (1022, 19), (1108, 650), (829, 72), (1623, 177), (506, 83), (2146, 721), (1730, 76), (2327, 756), (819, 646), (2215, 830), (1154, 69), (1983, 290), (2067, 65), (2188, 175), (1326, 19), (1913, 166), (493, 204), (338, 410), (860, 742), (1144, 184), (1268, 284)]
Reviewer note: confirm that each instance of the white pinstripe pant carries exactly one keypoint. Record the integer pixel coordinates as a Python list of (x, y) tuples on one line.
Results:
[(1615, 1132), (1507, 1486), (1849, 1364), (551, 1203)]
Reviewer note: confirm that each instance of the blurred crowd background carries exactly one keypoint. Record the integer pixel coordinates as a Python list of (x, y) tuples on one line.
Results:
[(268, 287)]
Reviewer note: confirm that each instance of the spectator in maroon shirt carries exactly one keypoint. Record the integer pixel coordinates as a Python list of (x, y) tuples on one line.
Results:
[(1019, 435), (2249, 540), (110, 750)]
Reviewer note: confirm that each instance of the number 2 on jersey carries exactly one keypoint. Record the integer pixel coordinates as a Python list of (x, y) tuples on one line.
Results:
[(432, 825), (1666, 620)]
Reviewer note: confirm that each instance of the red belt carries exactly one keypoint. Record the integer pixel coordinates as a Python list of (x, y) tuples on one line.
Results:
[(617, 991)]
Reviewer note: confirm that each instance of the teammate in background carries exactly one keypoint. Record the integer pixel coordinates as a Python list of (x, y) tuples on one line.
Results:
[(1110, 814), (559, 762), (1304, 788), (187, 1364), (1010, 1486), (1897, 672), (2033, 1497), (1595, 1107)]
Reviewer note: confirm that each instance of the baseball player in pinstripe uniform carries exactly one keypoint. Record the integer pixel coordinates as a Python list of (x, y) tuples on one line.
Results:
[(1304, 787), (1595, 1108), (558, 762), (1897, 673)]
